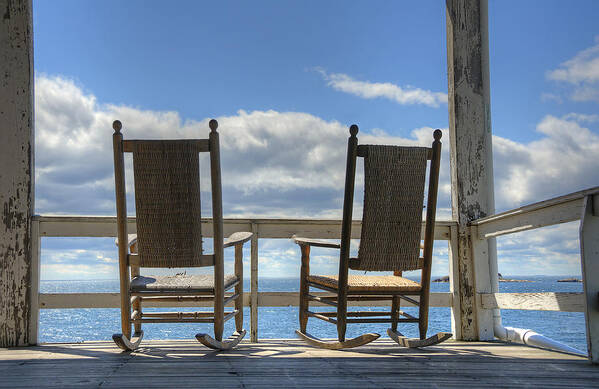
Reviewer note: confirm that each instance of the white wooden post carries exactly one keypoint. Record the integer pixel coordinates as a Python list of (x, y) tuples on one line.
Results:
[(254, 285), (589, 249), (16, 175), (454, 283), (471, 159), (34, 313)]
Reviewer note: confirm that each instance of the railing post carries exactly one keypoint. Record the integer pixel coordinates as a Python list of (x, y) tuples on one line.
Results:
[(34, 313), (481, 261), (254, 284), (589, 252), (454, 283)]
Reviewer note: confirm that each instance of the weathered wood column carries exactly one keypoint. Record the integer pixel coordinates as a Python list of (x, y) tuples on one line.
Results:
[(589, 249), (16, 170), (471, 158)]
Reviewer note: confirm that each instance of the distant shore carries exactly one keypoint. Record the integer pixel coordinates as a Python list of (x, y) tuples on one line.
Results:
[(501, 279)]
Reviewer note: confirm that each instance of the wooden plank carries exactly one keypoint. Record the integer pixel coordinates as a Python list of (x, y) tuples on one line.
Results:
[(471, 158), (264, 299), (589, 249), (16, 162), (292, 363), (202, 145), (105, 226), (523, 219), (570, 197), (546, 301)]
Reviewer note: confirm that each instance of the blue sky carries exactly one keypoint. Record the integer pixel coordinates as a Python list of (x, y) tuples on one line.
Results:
[(287, 78)]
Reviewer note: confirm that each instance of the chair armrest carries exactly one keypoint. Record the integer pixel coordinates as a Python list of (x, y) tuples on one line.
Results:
[(131, 242), (237, 238), (315, 242)]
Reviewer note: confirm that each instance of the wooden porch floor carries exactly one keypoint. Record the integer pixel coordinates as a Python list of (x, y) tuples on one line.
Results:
[(289, 363)]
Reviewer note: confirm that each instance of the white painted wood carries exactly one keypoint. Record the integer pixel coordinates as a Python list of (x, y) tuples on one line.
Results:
[(521, 219), (471, 158), (265, 299), (105, 226), (589, 248), (555, 201), (454, 283), (254, 284), (34, 279), (546, 301), (102, 226), (482, 278), (17, 167)]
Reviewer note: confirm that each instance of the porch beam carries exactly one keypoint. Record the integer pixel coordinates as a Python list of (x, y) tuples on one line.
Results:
[(471, 158)]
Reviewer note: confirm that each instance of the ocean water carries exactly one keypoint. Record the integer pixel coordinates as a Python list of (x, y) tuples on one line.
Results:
[(79, 325)]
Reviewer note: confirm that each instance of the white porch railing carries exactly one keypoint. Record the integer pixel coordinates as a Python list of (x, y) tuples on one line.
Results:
[(558, 210), (583, 206), (105, 226)]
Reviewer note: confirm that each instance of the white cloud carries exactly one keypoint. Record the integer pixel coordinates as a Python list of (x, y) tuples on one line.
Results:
[(264, 154), (369, 90), (545, 97), (553, 250), (562, 161), (580, 117), (581, 71), (277, 164)]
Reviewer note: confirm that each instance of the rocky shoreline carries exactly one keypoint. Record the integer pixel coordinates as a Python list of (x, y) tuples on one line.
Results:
[(570, 280)]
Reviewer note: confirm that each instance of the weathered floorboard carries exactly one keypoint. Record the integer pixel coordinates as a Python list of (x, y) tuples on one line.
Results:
[(291, 363)]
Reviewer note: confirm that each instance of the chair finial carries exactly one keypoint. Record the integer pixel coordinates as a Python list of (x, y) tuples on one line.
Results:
[(353, 129), (213, 125), (117, 125), (437, 134)]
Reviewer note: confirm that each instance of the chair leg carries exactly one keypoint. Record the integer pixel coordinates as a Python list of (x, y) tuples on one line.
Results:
[(341, 318), (136, 302), (423, 319), (239, 287), (219, 319), (395, 304), (304, 305), (227, 344), (304, 288)]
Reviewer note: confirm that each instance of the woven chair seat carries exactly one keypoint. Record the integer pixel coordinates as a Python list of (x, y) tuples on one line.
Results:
[(360, 283), (178, 283)]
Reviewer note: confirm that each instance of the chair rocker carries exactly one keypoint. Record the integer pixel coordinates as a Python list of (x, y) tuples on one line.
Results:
[(389, 241), (167, 206)]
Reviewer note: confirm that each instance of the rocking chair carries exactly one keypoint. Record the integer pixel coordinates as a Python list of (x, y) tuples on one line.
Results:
[(167, 206), (390, 241)]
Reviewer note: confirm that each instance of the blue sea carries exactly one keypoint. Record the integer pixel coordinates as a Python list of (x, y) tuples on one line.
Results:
[(79, 325)]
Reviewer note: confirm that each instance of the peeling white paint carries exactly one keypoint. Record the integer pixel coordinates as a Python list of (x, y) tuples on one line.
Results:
[(16, 165)]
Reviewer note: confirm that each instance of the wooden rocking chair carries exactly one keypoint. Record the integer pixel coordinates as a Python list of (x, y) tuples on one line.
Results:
[(167, 205), (390, 241)]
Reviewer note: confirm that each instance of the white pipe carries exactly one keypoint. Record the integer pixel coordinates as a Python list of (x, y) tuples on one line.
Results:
[(520, 335), (531, 338)]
